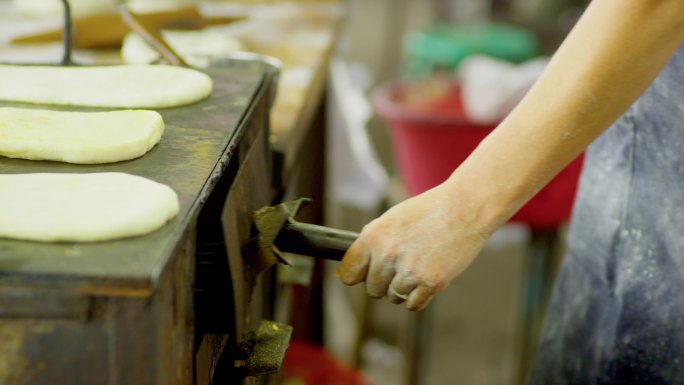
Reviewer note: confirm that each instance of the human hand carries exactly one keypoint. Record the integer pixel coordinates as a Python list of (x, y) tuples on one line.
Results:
[(415, 249)]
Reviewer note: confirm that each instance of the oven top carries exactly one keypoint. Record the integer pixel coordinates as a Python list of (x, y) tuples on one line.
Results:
[(198, 141)]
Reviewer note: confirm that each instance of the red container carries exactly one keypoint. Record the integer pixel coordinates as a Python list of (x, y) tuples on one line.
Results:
[(432, 136), (309, 364)]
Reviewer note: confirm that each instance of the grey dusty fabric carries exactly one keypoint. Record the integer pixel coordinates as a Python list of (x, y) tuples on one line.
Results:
[(617, 312)]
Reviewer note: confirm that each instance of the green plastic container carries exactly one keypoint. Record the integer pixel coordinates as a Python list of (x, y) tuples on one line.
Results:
[(442, 47)]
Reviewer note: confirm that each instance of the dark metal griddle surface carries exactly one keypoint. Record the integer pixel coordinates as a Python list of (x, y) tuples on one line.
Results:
[(198, 139)]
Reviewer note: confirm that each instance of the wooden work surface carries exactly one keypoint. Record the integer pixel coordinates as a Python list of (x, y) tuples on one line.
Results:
[(303, 37)]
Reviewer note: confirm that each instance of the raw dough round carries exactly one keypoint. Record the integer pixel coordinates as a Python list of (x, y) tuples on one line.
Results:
[(78, 137), (125, 86), (47, 8), (82, 207), (204, 42)]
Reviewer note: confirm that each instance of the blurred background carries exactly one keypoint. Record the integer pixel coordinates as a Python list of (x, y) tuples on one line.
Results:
[(482, 328), (409, 88)]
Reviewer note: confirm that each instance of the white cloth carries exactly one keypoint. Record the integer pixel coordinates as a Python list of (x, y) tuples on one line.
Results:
[(355, 175), (491, 88)]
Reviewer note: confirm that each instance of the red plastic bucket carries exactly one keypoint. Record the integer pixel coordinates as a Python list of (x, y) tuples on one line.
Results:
[(309, 364), (431, 137)]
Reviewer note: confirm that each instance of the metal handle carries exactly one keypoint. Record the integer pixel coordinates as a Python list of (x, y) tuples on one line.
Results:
[(152, 36), (68, 34), (314, 240)]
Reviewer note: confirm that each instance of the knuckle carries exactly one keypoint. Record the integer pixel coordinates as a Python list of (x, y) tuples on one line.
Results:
[(392, 258), (382, 265), (375, 289), (406, 280), (433, 284), (349, 279), (387, 258), (370, 227), (431, 287)]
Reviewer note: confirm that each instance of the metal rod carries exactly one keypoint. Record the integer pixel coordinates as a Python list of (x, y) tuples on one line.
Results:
[(537, 285), (314, 240), (152, 36), (67, 36)]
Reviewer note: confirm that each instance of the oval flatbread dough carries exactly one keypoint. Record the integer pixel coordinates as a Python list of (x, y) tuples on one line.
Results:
[(47, 8), (201, 42), (126, 86), (78, 137), (82, 207)]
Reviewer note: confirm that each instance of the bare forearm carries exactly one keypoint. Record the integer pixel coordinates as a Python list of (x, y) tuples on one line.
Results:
[(607, 61)]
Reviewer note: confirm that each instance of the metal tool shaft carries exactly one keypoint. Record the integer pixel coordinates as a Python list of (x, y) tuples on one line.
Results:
[(314, 240), (67, 36), (152, 36)]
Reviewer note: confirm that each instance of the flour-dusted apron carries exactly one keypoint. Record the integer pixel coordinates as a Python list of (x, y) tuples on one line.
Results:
[(617, 312)]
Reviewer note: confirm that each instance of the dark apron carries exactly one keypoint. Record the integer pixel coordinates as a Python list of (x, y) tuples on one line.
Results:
[(617, 312)]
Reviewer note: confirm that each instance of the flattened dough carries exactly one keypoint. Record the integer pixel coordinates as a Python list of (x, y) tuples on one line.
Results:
[(82, 207), (78, 137), (47, 8), (203, 42), (126, 86)]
